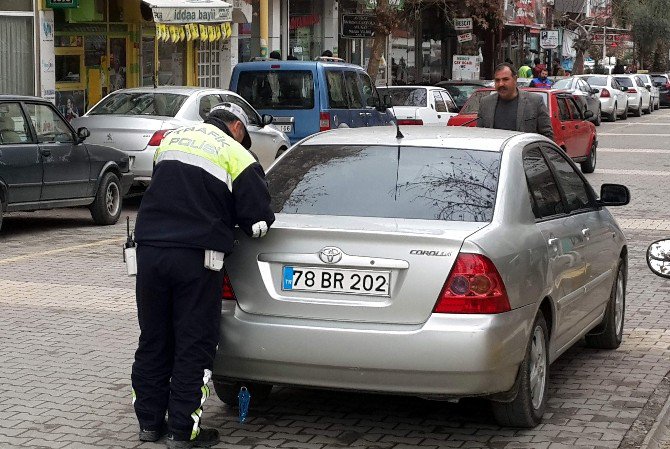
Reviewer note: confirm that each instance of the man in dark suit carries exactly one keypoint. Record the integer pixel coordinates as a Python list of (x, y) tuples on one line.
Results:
[(513, 109)]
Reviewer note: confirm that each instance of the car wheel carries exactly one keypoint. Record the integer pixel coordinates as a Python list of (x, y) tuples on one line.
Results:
[(650, 108), (106, 208), (615, 114), (528, 406), (625, 112), (228, 391), (280, 151), (599, 118), (638, 111), (609, 333), (589, 165)]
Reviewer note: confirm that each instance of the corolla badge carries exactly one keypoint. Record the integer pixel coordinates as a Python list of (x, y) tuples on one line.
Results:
[(330, 254)]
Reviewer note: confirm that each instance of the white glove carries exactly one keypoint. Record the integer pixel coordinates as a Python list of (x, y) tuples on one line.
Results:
[(259, 229)]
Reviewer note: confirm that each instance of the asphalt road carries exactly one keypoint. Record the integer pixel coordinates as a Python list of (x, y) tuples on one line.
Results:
[(68, 332)]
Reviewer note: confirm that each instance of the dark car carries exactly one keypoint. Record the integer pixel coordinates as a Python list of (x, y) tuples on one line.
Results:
[(45, 164), (662, 81), (461, 90)]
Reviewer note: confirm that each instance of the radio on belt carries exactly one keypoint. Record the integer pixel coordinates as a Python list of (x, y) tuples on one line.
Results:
[(214, 260), (129, 251)]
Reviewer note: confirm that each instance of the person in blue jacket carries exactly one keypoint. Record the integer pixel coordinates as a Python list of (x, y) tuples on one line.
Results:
[(542, 81)]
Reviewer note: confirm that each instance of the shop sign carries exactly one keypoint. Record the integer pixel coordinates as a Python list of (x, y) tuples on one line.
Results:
[(398, 4), (358, 26), (549, 39), (465, 67), (610, 38), (465, 37), (62, 4), (528, 13), (463, 24), (190, 12)]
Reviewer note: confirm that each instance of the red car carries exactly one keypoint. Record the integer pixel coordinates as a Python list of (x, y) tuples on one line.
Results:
[(572, 132)]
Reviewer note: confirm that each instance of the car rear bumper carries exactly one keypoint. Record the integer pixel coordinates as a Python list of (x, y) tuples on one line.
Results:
[(607, 105), (142, 163), (449, 355)]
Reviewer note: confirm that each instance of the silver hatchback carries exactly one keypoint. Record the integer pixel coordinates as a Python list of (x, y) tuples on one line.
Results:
[(452, 262)]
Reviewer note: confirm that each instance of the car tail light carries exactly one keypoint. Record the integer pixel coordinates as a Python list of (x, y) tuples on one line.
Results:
[(604, 93), (324, 121), (667, 85), (631, 90), (227, 292), (157, 138), (473, 286), (410, 121)]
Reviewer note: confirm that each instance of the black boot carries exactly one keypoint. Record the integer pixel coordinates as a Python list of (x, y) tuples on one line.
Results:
[(206, 438), (153, 435)]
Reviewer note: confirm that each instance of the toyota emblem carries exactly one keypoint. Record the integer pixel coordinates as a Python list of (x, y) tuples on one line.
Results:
[(330, 254)]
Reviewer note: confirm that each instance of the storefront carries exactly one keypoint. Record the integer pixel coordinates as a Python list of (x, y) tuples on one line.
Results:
[(17, 47), (104, 45)]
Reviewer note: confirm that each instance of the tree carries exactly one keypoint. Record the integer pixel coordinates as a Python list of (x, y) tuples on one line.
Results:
[(649, 21), (390, 14)]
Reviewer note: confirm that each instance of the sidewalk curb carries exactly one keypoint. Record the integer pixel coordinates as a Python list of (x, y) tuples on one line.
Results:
[(659, 431)]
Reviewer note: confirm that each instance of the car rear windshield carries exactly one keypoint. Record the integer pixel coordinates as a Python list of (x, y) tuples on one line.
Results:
[(407, 96), (624, 81), (597, 80), (659, 79), (288, 89), (140, 103), (386, 181)]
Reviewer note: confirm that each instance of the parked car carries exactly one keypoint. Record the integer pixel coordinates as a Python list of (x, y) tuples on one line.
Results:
[(306, 97), (461, 90), (653, 90), (45, 164), (612, 95), (572, 131), (136, 120), (447, 265), (662, 81), (420, 105), (639, 98), (586, 95)]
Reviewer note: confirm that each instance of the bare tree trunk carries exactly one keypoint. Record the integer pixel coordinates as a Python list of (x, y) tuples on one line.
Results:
[(378, 47), (578, 67)]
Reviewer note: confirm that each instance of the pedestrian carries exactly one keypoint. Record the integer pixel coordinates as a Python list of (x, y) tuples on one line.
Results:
[(558, 68), (618, 68), (542, 81), (513, 109), (327, 54), (538, 67), (525, 71), (274, 54), (205, 181)]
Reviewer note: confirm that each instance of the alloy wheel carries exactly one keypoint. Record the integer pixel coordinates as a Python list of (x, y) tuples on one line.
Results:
[(619, 305), (538, 367), (112, 199)]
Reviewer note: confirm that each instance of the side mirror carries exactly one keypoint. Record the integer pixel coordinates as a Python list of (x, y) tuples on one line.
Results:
[(595, 91), (648, 87), (614, 195), (624, 89), (387, 103), (83, 133), (267, 119), (658, 258), (588, 114)]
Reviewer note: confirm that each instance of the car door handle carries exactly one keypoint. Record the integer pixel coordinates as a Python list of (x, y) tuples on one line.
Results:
[(44, 152), (586, 232)]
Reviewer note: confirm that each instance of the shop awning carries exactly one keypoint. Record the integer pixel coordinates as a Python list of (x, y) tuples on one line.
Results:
[(190, 11)]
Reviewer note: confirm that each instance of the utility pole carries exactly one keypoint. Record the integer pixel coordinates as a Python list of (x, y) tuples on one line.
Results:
[(264, 31)]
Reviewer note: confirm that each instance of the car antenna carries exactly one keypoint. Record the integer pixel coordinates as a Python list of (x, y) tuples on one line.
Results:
[(399, 134)]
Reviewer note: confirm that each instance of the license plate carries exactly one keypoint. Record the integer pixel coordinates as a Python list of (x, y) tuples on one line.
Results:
[(346, 281), (285, 128)]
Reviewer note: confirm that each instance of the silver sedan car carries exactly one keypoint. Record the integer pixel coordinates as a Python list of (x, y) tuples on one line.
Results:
[(135, 121), (451, 262)]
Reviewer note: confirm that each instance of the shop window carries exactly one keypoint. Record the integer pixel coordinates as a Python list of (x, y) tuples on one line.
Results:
[(148, 63), (17, 71), (68, 68), (172, 63), (16, 5), (305, 29)]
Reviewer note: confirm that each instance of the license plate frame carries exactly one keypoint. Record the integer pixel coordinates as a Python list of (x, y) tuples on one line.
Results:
[(285, 128), (369, 283)]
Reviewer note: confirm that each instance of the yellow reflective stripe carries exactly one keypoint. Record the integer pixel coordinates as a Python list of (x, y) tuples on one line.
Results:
[(196, 421), (208, 142), (197, 161)]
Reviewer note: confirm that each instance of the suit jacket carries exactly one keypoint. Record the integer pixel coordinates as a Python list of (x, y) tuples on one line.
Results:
[(532, 115)]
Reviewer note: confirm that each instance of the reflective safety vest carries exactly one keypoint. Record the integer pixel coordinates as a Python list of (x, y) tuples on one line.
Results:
[(206, 146)]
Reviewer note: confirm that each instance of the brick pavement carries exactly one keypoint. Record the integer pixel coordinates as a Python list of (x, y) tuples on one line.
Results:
[(68, 332)]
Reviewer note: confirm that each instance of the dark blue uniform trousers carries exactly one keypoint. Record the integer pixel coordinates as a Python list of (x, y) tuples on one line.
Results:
[(179, 312)]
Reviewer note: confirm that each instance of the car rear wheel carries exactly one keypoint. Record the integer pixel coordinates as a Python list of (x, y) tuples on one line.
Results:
[(106, 208), (615, 113), (609, 333), (624, 116), (589, 165), (638, 111), (599, 118), (228, 391), (527, 408)]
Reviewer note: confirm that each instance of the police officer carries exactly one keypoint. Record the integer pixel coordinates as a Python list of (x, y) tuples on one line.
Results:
[(205, 181)]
